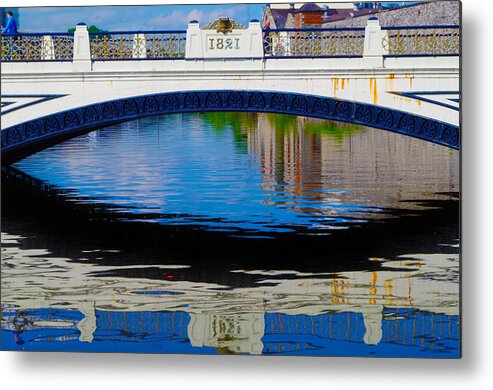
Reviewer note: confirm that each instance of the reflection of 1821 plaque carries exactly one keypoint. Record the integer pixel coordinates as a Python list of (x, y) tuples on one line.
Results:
[(224, 44)]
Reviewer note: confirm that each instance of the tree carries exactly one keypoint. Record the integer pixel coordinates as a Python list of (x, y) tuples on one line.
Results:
[(93, 29)]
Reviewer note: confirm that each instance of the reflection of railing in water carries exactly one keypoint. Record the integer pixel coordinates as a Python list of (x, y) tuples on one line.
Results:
[(241, 333), (220, 324), (399, 326)]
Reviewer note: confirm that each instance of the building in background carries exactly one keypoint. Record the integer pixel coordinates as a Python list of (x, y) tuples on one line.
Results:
[(3, 16), (391, 5), (405, 14), (313, 15), (333, 15)]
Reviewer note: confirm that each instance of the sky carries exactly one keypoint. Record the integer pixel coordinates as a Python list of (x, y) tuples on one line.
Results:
[(126, 17), (113, 18)]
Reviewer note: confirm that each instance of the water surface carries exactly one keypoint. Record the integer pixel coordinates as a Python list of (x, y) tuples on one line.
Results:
[(233, 233)]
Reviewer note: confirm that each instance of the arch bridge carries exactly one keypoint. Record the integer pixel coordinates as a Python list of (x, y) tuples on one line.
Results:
[(58, 85)]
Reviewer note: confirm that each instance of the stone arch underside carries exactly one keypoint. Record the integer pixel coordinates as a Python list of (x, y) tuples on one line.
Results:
[(26, 138)]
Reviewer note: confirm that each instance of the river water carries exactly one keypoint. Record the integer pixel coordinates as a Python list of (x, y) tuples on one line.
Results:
[(233, 233)]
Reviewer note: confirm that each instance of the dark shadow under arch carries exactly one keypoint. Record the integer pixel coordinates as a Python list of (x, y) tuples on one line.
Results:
[(27, 138)]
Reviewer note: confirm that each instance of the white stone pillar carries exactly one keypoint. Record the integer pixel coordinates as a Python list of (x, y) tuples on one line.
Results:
[(47, 48), (139, 48), (373, 49), (82, 49), (194, 47), (256, 39)]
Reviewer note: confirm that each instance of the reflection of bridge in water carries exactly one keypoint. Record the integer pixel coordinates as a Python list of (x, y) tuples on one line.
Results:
[(410, 301), (400, 79)]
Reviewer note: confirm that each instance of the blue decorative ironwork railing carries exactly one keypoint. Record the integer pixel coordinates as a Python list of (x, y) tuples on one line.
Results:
[(314, 42), (37, 47), (123, 45), (421, 40)]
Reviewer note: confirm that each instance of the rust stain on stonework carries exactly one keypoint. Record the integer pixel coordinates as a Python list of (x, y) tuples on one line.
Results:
[(410, 77), (373, 89), (335, 82)]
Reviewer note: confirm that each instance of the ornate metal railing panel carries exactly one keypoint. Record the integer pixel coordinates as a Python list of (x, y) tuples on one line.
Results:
[(421, 40), (121, 45), (320, 42), (37, 47)]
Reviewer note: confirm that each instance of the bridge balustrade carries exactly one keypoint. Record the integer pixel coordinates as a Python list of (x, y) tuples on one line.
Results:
[(293, 43), (37, 47), (314, 42), (122, 45), (421, 40)]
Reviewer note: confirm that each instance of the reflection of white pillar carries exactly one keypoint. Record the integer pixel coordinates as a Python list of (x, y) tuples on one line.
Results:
[(87, 325), (372, 317), (236, 333), (139, 47), (47, 48)]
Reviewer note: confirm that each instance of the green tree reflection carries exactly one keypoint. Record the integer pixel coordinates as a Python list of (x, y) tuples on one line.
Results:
[(241, 123)]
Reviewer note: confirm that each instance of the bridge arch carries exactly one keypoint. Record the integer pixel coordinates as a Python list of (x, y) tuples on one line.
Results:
[(26, 138)]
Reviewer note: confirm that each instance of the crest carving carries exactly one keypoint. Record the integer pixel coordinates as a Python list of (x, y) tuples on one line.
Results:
[(224, 25)]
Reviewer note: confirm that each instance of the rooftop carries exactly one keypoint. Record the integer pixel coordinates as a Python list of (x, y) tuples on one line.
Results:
[(310, 7)]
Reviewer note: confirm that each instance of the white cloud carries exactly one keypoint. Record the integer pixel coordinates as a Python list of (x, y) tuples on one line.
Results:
[(55, 19), (104, 16), (179, 19), (52, 19)]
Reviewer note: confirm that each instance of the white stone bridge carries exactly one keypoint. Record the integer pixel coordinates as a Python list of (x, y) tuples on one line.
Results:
[(400, 79)]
